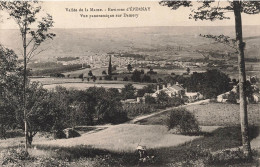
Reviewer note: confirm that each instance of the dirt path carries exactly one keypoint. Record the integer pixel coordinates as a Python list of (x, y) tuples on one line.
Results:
[(137, 119)]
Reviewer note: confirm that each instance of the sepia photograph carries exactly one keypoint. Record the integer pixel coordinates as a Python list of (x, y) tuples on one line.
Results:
[(101, 83)]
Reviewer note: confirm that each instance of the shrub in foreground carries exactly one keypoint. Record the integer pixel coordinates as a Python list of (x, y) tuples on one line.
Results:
[(51, 162), (227, 157), (183, 121), (59, 134), (13, 156)]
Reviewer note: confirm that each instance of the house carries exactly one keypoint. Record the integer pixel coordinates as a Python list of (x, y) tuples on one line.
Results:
[(171, 90), (223, 97), (193, 96), (235, 89), (256, 97)]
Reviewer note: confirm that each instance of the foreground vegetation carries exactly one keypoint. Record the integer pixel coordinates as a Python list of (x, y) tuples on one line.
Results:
[(201, 151)]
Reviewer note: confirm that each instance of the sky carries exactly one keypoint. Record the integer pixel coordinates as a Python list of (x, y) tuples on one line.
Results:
[(155, 15)]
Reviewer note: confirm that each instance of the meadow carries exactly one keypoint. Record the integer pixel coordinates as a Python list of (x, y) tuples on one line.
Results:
[(71, 83), (213, 114), (115, 146), (124, 138), (85, 85)]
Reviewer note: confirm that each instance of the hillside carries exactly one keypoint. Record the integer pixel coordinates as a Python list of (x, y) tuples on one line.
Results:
[(162, 42)]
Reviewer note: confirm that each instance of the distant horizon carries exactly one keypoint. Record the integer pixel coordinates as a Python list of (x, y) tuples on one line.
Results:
[(141, 27)]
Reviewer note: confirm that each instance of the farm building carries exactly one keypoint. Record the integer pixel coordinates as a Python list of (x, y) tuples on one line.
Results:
[(171, 90), (256, 97), (223, 97)]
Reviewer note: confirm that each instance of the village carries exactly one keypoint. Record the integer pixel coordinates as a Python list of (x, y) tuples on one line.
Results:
[(152, 83)]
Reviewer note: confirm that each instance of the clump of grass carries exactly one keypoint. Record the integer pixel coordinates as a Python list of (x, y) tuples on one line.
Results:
[(13, 156), (99, 157), (227, 157), (200, 150), (51, 162)]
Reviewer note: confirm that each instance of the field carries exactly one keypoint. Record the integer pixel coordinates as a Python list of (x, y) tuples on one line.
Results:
[(115, 146), (214, 114), (124, 138), (83, 86), (71, 83), (95, 71), (224, 114)]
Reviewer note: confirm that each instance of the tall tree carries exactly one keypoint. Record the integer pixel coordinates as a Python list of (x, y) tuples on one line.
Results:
[(25, 13), (128, 91), (10, 86), (211, 10), (129, 67)]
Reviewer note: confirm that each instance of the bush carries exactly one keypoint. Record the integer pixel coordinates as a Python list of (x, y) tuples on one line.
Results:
[(136, 76), (154, 81), (81, 75), (108, 77), (232, 98), (136, 109), (115, 117), (227, 157), (104, 72), (128, 92), (183, 122), (150, 100), (59, 134), (146, 78), (162, 97), (175, 101), (13, 156), (151, 72), (58, 75), (210, 84)]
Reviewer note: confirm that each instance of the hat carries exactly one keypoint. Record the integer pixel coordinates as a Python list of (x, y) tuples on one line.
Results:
[(141, 147)]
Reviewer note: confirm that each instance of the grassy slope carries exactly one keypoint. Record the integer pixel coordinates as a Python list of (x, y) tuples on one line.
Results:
[(214, 114), (167, 148), (124, 138), (82, 155)]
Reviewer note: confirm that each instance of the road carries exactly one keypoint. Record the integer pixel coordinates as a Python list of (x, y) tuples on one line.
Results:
[(137, 119)]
